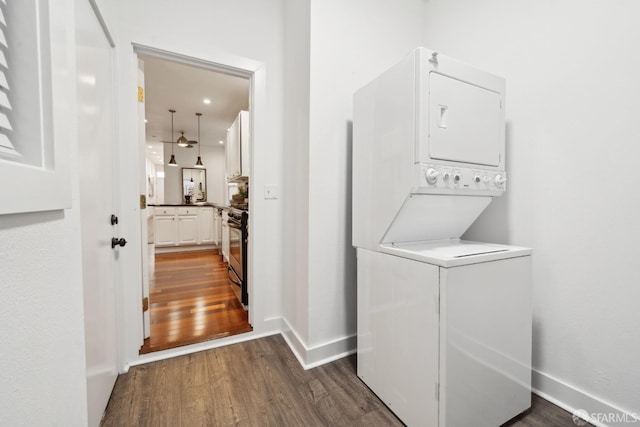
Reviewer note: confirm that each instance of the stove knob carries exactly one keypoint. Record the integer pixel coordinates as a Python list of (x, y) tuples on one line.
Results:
[(487, 179), (432, 176), (499, 180), (445, 176), (476, 179), (456, 178)]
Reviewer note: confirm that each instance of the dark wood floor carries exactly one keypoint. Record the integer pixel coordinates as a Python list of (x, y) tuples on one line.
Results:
[(261, 383), (191, 300)]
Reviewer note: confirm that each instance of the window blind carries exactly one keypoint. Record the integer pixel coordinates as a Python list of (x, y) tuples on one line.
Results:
[(6, 147)]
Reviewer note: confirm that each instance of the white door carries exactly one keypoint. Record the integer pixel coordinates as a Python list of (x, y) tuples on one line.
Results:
[(96, 133), (142, 137)]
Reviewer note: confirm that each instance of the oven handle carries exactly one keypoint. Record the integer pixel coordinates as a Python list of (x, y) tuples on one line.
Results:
[(229, 269)]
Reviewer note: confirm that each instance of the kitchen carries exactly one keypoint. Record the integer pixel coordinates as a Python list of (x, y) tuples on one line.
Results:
[(197, 163)]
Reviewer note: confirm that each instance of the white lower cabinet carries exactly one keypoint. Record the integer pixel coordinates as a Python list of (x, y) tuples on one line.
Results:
[(165, 227), (206, 226), (184, 226), (187, 226)]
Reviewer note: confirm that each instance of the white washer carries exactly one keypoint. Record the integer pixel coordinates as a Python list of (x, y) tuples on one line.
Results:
[(444, 325), (444, 331)]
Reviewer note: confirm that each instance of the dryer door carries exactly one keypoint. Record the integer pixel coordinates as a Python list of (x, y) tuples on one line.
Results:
[(466, 122)]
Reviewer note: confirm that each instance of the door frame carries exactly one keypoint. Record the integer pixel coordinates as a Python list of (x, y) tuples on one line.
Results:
[(130, 319)]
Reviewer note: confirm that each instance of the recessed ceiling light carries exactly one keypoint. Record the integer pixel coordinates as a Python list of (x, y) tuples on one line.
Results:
[(149, 146), (145, 120), (221, 142), (206, 101)]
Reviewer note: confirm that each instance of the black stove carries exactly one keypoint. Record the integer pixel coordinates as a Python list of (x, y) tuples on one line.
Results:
[(238, 221)]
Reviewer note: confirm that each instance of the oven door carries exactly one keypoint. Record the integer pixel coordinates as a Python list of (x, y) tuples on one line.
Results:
[(235, 250)]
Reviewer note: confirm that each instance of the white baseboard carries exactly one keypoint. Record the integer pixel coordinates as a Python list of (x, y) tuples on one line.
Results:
[(310, 357), (597, 411), (187, 248)]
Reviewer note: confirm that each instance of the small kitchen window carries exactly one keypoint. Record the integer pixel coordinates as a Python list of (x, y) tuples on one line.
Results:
[(232, 188)]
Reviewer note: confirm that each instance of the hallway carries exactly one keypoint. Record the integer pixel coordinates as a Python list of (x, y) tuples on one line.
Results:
[(191, 300)]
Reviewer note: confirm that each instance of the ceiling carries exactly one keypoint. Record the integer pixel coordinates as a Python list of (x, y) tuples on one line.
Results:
[(169, 85)]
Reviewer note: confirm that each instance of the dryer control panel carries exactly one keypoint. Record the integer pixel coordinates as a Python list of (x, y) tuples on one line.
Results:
[(452, 179)]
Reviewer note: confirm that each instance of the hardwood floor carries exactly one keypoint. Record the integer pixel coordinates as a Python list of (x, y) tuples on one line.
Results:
[(191, 300), (261, 383)]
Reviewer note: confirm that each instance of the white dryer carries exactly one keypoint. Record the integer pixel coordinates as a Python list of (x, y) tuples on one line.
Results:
[(444, 325)]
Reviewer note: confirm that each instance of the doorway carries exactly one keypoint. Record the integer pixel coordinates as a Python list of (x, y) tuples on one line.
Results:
[(190, 298)]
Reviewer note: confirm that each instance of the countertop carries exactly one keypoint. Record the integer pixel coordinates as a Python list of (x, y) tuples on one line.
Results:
[(203, 205), (191, 205)]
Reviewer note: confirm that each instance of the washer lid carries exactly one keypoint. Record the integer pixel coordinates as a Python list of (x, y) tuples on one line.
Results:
[(454, 252), (434, 217)]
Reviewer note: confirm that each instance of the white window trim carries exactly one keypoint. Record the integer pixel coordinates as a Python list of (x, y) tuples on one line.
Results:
[(26, 188)]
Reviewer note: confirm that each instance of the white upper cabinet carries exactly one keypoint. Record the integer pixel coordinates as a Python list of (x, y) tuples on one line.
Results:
[(237, 149)]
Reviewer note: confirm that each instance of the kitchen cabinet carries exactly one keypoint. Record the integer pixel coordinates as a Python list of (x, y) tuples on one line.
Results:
[(217, 226), (188, 226), (237, 148), (225, 237), (183, 226), (165, 226), (206, 226)]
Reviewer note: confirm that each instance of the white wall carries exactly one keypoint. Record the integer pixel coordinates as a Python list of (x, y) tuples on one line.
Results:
[(573, 102), (243, 33), (296, 188), (351, 43), (213, 159), (42, 381), (348, 44), (43, 375)]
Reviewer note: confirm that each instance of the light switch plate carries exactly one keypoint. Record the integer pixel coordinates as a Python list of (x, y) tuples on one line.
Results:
[(270, 192)]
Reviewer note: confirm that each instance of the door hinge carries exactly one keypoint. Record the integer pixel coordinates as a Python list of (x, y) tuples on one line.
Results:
[(145, 304), (140, 94), (143, 201)]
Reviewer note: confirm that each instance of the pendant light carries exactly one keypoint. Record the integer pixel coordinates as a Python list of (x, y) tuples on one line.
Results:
[(199, 161), (172, 161)]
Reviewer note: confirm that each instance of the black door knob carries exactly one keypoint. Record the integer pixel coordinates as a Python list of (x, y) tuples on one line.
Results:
[(115, 242)]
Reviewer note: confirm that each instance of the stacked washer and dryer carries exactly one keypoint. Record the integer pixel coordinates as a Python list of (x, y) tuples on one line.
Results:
[(444, 325)]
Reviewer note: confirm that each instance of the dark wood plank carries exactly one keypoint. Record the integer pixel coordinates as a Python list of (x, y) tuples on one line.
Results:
[(261, 383), (191, 300)]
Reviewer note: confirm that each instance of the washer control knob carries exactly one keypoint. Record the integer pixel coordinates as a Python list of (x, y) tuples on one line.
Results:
[(476, 179), (456, 178), (432, 176), (499, 180)]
